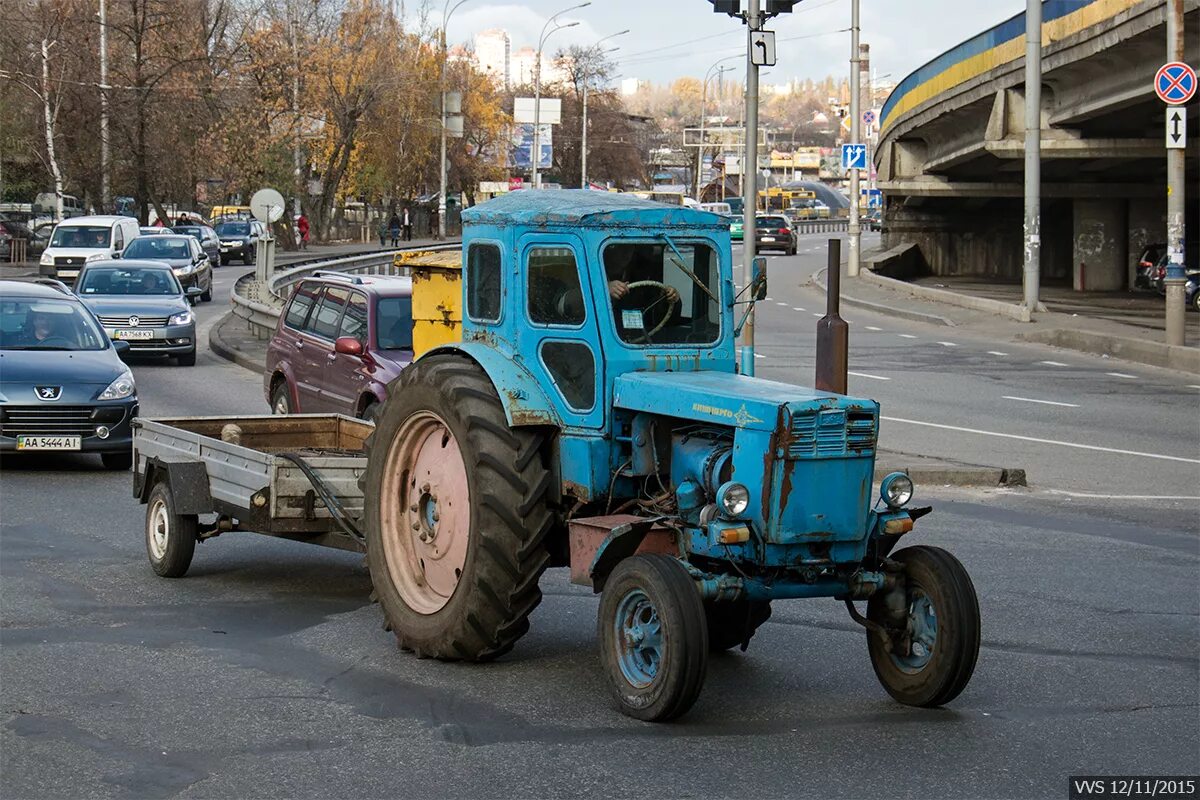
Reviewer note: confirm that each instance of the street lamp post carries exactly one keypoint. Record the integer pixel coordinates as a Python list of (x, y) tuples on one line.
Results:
[(536, 154), (703, 107), (447, 10), (583, 178)]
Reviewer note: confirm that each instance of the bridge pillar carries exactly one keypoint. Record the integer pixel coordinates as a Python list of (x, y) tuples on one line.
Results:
[(1147, 225), (1101, 245)]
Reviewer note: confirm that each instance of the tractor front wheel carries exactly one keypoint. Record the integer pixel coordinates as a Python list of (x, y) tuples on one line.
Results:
[(653, 637), (458, 507), (931, 654)]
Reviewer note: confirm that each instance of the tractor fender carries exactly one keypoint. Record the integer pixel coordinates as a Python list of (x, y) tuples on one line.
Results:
[(523, 400)]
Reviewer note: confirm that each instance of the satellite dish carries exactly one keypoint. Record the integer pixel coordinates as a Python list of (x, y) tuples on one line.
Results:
[(267, 205)]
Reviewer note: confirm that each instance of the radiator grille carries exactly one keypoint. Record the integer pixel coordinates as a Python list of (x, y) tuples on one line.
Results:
[(56, 420), (122, 321), (832, 433)]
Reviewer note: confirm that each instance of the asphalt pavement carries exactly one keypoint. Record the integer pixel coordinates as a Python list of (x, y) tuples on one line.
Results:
[(266, 672)]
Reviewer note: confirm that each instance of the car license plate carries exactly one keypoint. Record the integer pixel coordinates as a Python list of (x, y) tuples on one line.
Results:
[(768, 238), (47, 442), (133, 334)]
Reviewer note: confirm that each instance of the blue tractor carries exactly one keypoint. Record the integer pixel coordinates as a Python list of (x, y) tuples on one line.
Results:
[(592, 416)]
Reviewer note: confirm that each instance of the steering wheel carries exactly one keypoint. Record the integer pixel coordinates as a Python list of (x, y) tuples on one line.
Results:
[(662, 287)]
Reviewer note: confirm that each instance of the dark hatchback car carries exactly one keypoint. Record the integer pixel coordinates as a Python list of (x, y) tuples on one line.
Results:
[(182, 254), (774, 232), (210, 243), (63, 386), (341, 340), (239, 238)]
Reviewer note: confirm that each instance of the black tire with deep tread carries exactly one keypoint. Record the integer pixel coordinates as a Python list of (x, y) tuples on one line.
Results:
[(512, 496), (727, 622), (684, 665), (956, 649), (181, 541)]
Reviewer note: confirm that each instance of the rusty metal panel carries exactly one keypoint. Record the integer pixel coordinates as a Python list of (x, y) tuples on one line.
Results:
[(588, 533)]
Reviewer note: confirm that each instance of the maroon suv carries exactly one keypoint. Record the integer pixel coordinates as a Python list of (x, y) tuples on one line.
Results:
[(341, 340)]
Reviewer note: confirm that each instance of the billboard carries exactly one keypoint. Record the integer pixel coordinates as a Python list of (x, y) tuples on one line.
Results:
[(548, 110), (521, 146)]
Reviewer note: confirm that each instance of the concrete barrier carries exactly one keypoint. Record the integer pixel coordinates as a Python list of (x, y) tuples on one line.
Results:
[(1157, 354), (1010, 310)]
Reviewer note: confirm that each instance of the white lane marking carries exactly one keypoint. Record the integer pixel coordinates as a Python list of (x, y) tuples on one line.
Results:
[(1122, 375), (1092, 496), (906, 336), (1043, 441), (797, 308), (770, 298), (947, 344), (996, 353), (1054, 364), (815, 314), (780, 304), (1193, 386), (759, 355), (873, 328), (1043, 402), (866, 375)]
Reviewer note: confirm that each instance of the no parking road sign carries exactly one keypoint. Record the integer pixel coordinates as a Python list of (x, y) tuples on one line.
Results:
[(1175, 83)]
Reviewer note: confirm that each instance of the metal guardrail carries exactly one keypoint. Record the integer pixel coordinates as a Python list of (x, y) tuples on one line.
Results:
[(260, 303), (821, 225)]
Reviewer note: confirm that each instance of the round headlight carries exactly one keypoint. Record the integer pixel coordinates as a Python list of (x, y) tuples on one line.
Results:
[(896, 490), (733, 499)]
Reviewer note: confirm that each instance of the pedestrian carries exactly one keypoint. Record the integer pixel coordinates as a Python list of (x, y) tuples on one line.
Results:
[(394, 229), (302, 226), (407, 226), (433, 222), (383, 232)]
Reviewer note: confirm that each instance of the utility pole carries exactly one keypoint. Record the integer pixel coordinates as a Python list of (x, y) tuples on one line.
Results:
[(105, 155), (535, 154), (1032, 270), (297, 166), (750, 179), (855, 229), (1176, 188), (583, 178)]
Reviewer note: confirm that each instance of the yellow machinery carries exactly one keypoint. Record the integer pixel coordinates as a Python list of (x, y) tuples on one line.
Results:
[(436, 296)]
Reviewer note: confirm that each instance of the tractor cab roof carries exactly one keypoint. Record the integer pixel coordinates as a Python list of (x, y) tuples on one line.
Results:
[(576, 208)]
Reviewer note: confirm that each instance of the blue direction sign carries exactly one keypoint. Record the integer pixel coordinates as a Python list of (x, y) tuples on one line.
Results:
[(1175, 83), (854, 156)]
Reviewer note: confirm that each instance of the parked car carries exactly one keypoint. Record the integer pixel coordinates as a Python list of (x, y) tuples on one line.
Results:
[(874, 220), (238, 240), (1192, 290), (775, 232), (142, 304), (210, 243), (81, 240), (63, 387), (15, 229), (1147, 261), (182, 254), (339, 343), (153, 230), (735, 227)]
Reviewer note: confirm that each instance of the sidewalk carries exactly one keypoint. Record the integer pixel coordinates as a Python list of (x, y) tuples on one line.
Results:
[(1118, 325)]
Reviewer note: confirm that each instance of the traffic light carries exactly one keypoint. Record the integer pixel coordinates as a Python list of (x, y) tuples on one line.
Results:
[(731, 7), (779, 6), (770, 7)]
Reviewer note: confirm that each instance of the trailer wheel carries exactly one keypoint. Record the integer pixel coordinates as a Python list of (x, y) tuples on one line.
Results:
[(170, 537), (734, 623), (458, 508), (932, 664), (653, 637)]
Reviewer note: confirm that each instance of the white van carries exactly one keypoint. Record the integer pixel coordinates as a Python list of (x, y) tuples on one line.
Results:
[(80, 240), (717, 208)]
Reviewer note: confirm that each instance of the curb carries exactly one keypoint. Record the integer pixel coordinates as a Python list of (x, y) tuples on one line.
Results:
[(880, 308), (1155, 354), (228, 351), (950, 474), (998, 307)]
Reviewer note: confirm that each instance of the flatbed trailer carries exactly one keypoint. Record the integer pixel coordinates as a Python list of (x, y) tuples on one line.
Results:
[(294, 477)]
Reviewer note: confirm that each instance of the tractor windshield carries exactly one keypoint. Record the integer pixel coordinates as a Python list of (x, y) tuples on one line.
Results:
[(664, 292)]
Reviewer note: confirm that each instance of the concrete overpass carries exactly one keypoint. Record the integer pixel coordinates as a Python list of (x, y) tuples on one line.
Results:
[(951, 149)]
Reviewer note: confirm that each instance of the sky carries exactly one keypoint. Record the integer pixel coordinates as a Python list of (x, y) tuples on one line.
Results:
[(669, 39)]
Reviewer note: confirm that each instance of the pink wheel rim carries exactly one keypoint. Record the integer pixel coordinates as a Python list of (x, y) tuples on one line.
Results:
[(425, 512)]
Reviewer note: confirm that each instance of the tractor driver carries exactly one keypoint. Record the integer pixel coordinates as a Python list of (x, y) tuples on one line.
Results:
[(625, 264)]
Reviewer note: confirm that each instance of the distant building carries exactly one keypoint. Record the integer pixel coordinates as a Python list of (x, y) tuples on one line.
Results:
[(521, 66), (493, 51), (631, 86)]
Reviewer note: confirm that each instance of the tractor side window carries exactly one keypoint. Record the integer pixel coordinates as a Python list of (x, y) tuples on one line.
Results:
[(483, 282), (555, 297), (573, 368)]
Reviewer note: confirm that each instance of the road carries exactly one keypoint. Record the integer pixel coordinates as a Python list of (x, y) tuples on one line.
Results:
[(266, 673)]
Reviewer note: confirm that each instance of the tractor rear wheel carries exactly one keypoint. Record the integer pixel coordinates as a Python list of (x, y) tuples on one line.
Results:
[(458, 507), (733, 623)]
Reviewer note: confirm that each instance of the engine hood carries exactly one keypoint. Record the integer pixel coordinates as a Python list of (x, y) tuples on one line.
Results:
[(79, 372), (126, 305), (723, 398)]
